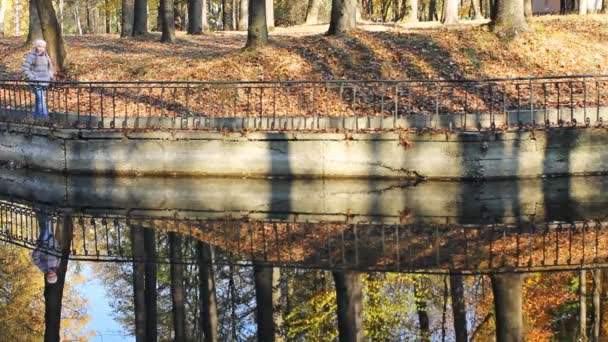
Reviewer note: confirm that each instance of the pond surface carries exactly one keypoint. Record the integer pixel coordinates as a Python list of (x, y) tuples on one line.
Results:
[(306, 260)]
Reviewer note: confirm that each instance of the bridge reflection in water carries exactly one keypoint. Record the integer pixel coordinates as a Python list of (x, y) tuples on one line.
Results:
[(219, 241)]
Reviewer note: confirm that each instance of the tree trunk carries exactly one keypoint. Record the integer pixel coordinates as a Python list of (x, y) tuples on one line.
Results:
[(243, 15), (150, 291), (349, 297), (35, 31), (168, 21), (582, 7), (604, 7), (423, 317), (77, 16), (195, 18), (432, 10), (510, 19), (257, 31), (312, 12), (264, 310), (51, 33), (88, 14), (177, 285), (139, 298), (53, 293), (270, 14), (204, 21), (225, 16), (507, 289), (2, 16), (140, 17), (343, 16), (128, 7), (528, 8), (411, 11), (476, 4), (450, 12), (17, 19), (207, 292), (108, 17), (459, 308)]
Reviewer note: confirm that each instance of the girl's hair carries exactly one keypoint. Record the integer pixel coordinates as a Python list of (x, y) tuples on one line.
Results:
[(41, 42)]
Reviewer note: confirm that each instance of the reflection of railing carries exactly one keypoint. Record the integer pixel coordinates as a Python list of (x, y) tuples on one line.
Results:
[(432, 248), (315, 105)]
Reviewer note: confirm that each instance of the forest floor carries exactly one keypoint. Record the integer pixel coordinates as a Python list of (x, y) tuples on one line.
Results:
[(555, 45)]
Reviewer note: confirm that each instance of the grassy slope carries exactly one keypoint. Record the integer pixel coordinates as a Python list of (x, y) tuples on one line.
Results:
[(557, 45)]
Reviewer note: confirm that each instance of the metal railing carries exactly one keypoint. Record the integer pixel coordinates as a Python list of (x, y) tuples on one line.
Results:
[(422, 248), (580, 101)]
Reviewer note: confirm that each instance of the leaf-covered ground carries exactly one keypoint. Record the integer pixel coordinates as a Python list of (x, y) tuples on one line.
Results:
[(556, 46)]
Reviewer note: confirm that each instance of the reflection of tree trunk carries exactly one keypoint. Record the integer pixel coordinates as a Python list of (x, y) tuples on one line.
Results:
[(348, 296), (276, 303), (35, 31), (596, 304), (507, 289), (53, 294), (604, 303), (421, 308), (232, 289), (263, 296), (150, 284), (139, 298), (459, 307), (582, 297), (177, 286), (207, 292)]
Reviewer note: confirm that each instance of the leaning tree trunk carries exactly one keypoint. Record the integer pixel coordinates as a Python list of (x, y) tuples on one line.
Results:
[(450, 12), (2, 16), (459, 308), (263, 296), (209, 314), (177, 286), (35, 31), (411, 12), (140, 17), (168, 21), (51, 33), (257, 32), (53, 293), (343, 16), (312, 12), (243, 15), (528, 8), (507, 289), (195, 18), (349, 297), (510, 19), (127, 18), (269, 14)]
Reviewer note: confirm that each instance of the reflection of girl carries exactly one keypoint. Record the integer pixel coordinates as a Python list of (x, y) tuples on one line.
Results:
[(39, 67), (45, 254)]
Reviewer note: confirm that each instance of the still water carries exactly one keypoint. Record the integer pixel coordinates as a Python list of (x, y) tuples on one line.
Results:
[(113, 259)]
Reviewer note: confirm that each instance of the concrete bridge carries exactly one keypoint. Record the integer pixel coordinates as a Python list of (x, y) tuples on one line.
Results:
[(430, 129)]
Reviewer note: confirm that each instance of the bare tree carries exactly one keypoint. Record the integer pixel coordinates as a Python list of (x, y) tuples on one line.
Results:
[(507, 289)]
